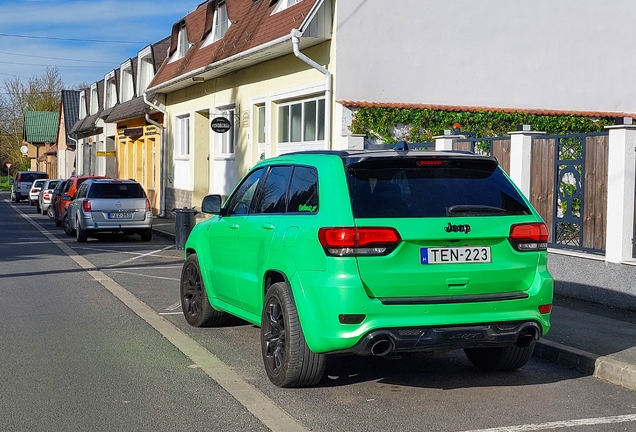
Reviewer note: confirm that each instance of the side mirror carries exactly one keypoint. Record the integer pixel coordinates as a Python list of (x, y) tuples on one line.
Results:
[(211, 204), (67, 198)]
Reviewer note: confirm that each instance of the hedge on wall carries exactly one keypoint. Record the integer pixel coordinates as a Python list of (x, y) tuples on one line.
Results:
[(424, 124)]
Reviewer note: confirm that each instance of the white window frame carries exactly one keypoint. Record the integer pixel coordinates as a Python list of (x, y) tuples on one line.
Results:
[(82, 105), (284, 4), (126, 85), (94, 100), (110, 90), (225, 143), (302, 144), (218, 31), (145, 69), (183, 45), (182, 137)]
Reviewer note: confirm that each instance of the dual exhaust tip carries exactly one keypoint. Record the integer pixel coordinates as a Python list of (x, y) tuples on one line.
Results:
[(383, 345)]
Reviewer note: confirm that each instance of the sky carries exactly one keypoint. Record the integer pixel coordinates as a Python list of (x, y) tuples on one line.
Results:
[(84, 39)]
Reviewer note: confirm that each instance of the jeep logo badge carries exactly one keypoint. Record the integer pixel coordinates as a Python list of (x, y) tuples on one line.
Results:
[(457, 228)]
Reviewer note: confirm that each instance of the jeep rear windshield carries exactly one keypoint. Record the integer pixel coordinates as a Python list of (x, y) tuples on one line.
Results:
[(431, 187), (116, 190)]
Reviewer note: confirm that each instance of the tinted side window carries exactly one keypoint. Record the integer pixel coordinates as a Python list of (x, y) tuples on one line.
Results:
[(66, 186), (241, 202), (274, 196), (303, 192), (81, 192)]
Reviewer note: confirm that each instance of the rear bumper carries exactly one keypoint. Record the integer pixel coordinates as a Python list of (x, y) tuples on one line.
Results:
[(88, 224), (382, 342), (324, 302)]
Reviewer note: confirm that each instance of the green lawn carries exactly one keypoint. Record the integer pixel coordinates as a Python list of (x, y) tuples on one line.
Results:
[(4, 184)]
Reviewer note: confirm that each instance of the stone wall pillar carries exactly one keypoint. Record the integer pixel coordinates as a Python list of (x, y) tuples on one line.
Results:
[(620, 193), (521, 159)]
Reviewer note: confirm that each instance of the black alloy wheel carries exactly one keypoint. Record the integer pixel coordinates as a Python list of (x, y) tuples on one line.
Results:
[(66, 224), (194, 299)]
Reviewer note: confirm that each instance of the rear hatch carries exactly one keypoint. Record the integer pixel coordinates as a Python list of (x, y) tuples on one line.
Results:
[(117, 202), (454, 215)]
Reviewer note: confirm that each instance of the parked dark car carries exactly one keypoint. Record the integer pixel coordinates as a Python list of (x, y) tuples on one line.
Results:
[(67, 195), (21, 183), (55, 196)]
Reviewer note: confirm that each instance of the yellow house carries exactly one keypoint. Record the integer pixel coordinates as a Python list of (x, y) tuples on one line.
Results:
[(243, 81), (139, 125)]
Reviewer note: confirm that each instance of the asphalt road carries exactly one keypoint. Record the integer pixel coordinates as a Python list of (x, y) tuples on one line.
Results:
[(93, 339)]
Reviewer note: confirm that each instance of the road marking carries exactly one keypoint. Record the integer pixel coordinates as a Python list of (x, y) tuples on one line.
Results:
[(561, 424), (140, 256), (144, 275), (26, 243), (106, 250), (261, 407), (174, 306), (170, 313)]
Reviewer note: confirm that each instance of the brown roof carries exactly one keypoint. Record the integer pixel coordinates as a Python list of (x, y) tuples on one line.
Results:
[(461, 108), (253, 25)]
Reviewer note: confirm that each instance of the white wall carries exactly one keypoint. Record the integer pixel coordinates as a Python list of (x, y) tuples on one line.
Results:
[(565, 54)]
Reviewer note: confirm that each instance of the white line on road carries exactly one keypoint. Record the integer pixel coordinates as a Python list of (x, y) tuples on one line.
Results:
[(562, 424), (145, 275), (261, 407), (170, 313), (174, 306), (140, 256)]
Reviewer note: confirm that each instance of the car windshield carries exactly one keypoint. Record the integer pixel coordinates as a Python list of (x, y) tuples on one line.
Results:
[(116, 190), (419, 187)]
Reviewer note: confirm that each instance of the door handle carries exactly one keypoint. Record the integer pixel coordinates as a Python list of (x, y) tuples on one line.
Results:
[(268, 226)]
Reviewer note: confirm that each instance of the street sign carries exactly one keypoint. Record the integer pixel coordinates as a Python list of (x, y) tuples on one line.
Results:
[(220, 125), (8, 165)]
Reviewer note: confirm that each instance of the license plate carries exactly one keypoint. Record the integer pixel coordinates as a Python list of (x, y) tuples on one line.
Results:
[(120, 215), (474, 254)]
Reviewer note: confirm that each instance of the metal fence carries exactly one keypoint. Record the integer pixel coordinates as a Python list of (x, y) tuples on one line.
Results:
[(569, 188), (499, 147)]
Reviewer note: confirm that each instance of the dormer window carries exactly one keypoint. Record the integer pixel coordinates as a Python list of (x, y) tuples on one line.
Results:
[(284, 4), (145, 69), (182, 44), (110, 90), (94, 100), (82, 105), (126, 77), (220, 25)]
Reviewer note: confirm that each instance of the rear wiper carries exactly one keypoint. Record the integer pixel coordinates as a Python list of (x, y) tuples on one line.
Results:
[(478, 209)]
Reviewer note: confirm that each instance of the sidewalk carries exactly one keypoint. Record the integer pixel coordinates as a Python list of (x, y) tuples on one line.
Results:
[(591, 338)]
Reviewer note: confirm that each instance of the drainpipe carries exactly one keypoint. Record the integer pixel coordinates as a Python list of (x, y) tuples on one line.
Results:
[(162, 156), (75, 154), (296, 34)]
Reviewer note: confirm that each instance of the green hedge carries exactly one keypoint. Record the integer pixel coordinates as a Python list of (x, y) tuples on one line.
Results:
[(426, 123)]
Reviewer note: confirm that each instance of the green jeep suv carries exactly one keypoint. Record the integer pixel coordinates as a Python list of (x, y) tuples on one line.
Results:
[(373, 253)]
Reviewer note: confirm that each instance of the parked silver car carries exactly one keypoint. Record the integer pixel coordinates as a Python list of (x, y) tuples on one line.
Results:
[(45, 195), (106, 205)]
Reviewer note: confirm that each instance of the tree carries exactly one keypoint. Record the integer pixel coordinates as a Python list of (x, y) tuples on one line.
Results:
[(40, 93)]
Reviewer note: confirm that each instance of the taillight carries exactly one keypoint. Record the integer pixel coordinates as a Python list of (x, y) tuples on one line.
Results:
[(529, 236), (351, 241), (545, 309), (34, 190), (86, 205), (46, 196), (148, 205)]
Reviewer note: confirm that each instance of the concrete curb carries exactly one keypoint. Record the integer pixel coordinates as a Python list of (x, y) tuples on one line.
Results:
[(603, 367)]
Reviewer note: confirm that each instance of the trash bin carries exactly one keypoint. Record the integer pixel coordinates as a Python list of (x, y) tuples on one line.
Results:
[(184, 221)]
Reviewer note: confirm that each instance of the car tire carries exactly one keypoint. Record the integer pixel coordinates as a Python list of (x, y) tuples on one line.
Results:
[(196, 307), (500, 358), (288, 360), (80, 234), (50, 213), (38, 208), (146, 235), (30, 202), (58, 222), (66, 224)]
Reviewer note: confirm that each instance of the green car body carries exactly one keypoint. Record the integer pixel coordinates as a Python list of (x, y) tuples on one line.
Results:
[(411, 289)]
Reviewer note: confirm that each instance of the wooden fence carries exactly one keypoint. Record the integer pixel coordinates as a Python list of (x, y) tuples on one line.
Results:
[(580, 223)]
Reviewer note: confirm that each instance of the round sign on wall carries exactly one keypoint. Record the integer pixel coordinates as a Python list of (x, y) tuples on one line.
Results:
[(24, 149), (220, 125)]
